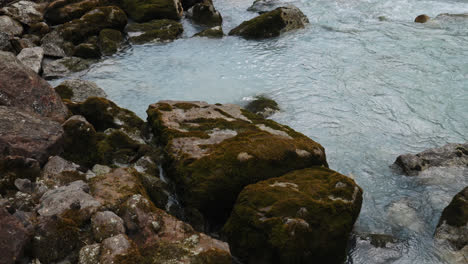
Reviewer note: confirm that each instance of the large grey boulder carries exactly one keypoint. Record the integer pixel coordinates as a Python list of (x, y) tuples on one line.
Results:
[(272, 24), (21, 87), (32, 57), (26, 12), (10, 26), (450, 155), (29, 135), (78, 90)]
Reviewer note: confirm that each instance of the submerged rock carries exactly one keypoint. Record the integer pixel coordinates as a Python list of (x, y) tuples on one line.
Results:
[(26, 12), (214, 32), (263, 6), (271, 24), (155, 30), (377, 248), (32, 57), (403, 214), (305, 216), (204, 13), (262, 106), (77, 90), (146, 10), (422, 19), (216, 150), (452, 230), (28, 135), (450, 155)]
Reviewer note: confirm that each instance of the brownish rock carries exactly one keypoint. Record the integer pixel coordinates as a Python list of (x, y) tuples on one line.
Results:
[(29, 135), (23, 88), (13, 238), (422, 19)]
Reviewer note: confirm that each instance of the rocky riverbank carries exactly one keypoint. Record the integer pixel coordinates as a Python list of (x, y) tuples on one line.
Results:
[(83, 180)]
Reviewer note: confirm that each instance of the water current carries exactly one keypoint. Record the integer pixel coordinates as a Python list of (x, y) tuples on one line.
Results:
[(362, 79)]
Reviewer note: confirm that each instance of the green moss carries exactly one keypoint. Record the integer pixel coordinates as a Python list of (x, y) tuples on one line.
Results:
[(80, 143), (185, 106), (319, 226), (64, 91), (110, 41), (260, 104), (118, 147), (146, 10), (215, 32), (265, 25), (213, 256), (456, 213), (162, 30), (87, 51)]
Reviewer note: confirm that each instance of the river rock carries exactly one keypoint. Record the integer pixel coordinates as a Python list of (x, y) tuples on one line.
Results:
[(216, 150), (29, 135), (58, 172), (305, 216), (32, 57), (452, 230), (214, 32), (146, 10), (155, 30), (377, 248), (450, 155), (87, 51), (55, 46), (263, 6), (156, 232), (422, 19), (78, 90), (110, 40), (75, 196), (187, 4), (52, 69), (10, 26), (13, 238), (21, 87), (90, 24), (271, 24), (205, 14), (26, 12), (62, 11), (263, 106), (106, 224), (404, 214)]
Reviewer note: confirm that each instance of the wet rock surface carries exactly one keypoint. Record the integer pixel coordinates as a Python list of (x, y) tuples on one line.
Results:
[(155, 30), (305, 216), (77, 90)]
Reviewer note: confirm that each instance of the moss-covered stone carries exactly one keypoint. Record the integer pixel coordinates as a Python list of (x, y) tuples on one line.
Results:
[(118, 148), (214, 32), (161, 30), (80, 142), (104, 114), (422, 19), (87, 51), (263, 106), (62, 11), (216, 150), (146, 10), (456, 213), (205, 14), (110, 41), (78, 30), (304, 216), (271, 24)]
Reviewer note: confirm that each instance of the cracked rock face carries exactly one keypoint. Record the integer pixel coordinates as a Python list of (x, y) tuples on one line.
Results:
[(305, 216), (216, 150)]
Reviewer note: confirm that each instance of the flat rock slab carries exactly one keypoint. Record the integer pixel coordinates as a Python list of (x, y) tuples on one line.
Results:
[(29, 135), (32, 57), (21, 87)]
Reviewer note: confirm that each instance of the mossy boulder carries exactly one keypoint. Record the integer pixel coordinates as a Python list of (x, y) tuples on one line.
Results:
[(304, 216), (104, 114), (271, 24), (62, 11), (205, 14), (77, 90), (146, 10), (110, 40), (453, 223), (155, 30), (214, 32), (81, 140), (216, 150), (90, 24), (263, 106), (87, 51)]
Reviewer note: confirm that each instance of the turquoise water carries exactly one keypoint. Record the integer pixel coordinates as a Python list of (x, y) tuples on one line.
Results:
[(367, 89)]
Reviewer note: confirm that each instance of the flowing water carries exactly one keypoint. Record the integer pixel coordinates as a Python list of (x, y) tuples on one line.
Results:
[(362, 79)]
